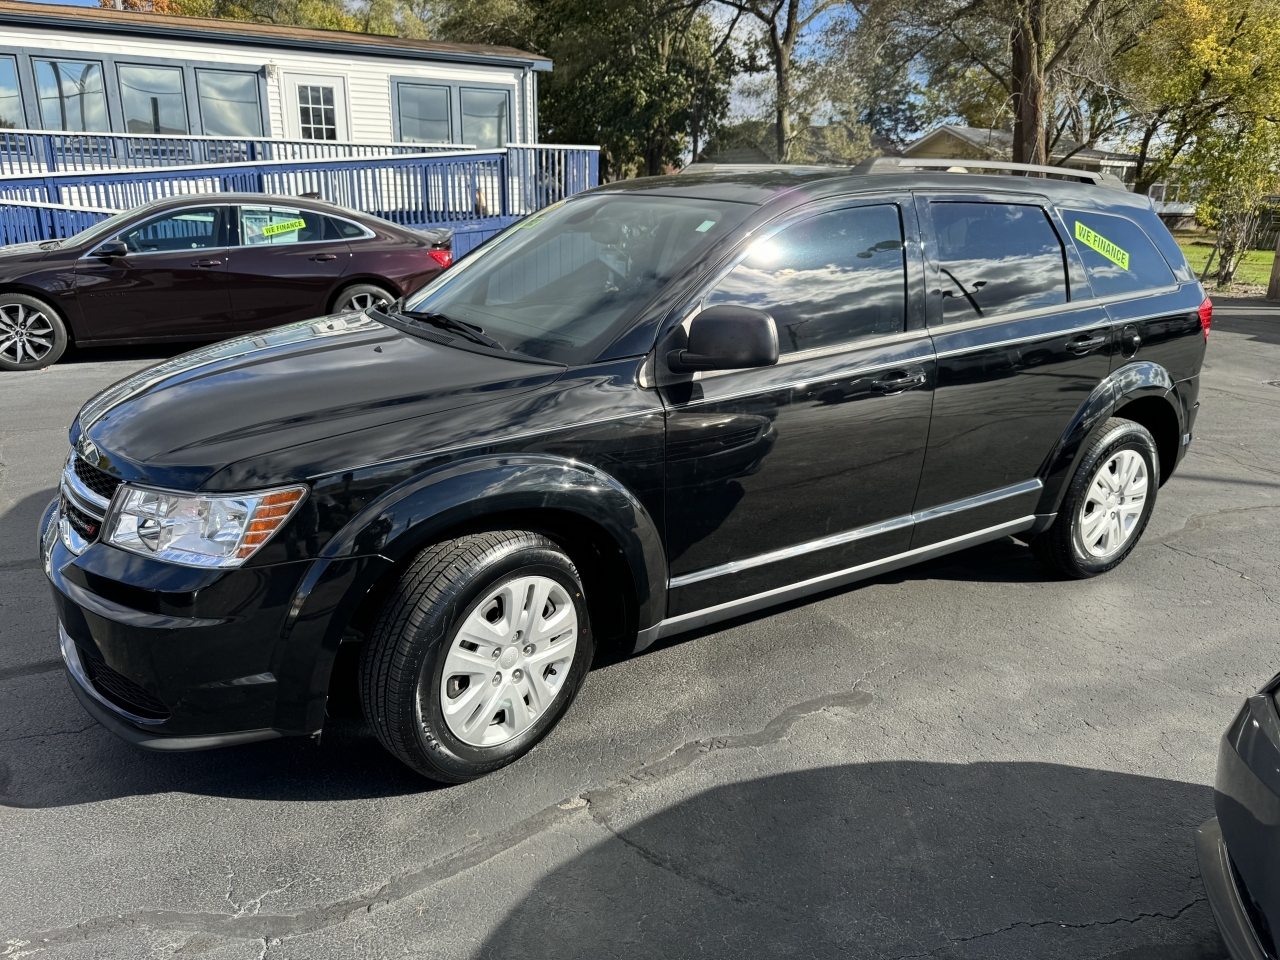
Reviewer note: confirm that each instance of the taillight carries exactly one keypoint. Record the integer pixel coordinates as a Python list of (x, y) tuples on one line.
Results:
[(1206, 316), (445, 257)]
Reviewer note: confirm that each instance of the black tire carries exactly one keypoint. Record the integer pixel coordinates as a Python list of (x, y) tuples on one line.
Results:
[(32, 333), (361, 296), (401, 667), (1062, 548)]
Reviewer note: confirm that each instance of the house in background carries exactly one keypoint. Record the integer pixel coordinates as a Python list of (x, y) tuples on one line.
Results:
[(969, 143), (87, 69)]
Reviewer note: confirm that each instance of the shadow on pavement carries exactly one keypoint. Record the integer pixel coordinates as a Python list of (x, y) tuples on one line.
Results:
[(146, 351), (884, 860)]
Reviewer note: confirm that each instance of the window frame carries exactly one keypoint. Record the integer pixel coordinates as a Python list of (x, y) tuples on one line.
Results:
[(22, 99), (490, 88), (1078, 289), (223, 222), (913, 284), (26, 57), (397, 132), (103, 66), (182, 85), (512, 89)]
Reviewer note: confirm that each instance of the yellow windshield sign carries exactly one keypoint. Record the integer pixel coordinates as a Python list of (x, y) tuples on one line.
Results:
[(1096, 241), (290, 225)]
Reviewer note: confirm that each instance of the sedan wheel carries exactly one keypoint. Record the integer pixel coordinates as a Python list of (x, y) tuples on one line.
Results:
[(31, 333), (361, 297)]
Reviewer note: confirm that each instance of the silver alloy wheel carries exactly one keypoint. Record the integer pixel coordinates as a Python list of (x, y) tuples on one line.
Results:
[(509, 660), (24, 332), (362, 301), (1113, 504)]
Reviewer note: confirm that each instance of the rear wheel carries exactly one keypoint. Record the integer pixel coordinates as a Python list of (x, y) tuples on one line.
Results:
[(1107, 505), (32, 335), (361, 296), (476, 654)]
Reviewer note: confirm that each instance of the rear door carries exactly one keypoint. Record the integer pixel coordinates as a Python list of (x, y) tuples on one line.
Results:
[(786, 473), (287, 263), (1021, 343), (172, 284)]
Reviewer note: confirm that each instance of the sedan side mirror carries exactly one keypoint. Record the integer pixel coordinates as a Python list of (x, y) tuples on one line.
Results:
[(112, 249), (727, 338)]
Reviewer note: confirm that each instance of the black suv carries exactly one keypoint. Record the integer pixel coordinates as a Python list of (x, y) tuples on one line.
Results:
[(657, 405)]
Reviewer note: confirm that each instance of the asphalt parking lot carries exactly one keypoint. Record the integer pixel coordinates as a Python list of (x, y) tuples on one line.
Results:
[(965, 759)]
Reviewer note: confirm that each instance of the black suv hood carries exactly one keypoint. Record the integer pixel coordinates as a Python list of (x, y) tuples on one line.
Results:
[(178, 423)]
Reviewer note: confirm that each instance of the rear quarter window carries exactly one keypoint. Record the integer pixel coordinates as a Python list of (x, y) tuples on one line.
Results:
[(1118, 256)]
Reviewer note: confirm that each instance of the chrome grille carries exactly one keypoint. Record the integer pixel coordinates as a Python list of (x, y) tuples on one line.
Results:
[(86, 495), (99, 481)]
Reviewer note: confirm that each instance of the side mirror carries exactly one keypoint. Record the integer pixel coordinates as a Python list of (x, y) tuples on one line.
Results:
[(112, 249), (727, 338)]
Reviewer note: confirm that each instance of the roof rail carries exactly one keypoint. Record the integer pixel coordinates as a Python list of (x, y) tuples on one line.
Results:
[(881, 165)]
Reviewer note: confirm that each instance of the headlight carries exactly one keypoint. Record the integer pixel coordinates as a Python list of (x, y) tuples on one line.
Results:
[(198, 530)]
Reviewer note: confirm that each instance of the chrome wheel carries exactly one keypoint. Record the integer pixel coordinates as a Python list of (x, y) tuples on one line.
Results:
[(509, 660), (1113, 504), (26, 334), (362, 300)]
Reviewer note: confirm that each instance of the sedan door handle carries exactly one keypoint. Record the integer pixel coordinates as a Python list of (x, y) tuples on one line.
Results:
[(898, 384), (1085, 344), (323, 256), (206, 263)]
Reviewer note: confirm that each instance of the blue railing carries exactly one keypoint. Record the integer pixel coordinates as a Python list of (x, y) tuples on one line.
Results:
[(40, 151), (475, 193)]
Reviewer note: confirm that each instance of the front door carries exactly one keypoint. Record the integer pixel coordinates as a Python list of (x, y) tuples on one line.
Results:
[(287, 265), (786, 473), (172, 283), (1019, 351)]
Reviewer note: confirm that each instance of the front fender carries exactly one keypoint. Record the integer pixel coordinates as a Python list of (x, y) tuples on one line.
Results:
[(1130, 382), (414, 512)]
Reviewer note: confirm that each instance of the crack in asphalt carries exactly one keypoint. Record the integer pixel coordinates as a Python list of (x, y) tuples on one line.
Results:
[(1225, 566), (273, 928), (1035, 924)]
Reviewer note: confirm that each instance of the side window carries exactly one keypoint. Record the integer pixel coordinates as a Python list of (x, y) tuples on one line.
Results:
[(1118, 256), (191, 229), (275, 225), (826, 280), (996, 258), (338, 229)]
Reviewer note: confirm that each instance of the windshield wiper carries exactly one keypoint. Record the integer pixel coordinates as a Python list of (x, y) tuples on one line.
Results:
[(468, 330)]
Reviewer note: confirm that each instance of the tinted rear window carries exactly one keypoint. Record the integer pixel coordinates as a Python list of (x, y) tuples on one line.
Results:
[(996, 258), (1118, 256)]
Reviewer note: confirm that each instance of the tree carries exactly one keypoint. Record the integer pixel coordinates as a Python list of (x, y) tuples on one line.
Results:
[(783, 22), (1203, 66)]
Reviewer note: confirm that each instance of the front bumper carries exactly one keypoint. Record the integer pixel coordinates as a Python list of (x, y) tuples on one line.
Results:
[(1239, 850), (175, 658)]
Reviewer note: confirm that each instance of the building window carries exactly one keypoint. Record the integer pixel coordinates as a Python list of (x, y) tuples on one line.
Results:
[(317, 117), (486, 118), (72, 96), (424, 114), (11, 117), (153, 100), (229, 104)]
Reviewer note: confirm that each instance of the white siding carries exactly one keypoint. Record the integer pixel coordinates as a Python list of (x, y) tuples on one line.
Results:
[(368, 78)]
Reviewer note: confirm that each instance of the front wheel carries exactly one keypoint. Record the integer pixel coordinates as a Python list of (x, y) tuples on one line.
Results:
[(1107, 505), (32, 335), (477, 653)]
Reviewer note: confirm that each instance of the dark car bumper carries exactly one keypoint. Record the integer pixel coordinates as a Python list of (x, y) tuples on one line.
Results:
[(1239, 850), (175, 658)]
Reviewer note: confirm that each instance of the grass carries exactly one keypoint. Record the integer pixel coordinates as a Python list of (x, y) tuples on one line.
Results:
[(1254, 269)]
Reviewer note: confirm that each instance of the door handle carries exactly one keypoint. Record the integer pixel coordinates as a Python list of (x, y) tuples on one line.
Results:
[(323, 256), (1085, 344), (206, 263), (898, 384)]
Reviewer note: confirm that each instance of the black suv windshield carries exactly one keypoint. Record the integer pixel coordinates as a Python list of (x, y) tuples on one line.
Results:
[(560, 283)]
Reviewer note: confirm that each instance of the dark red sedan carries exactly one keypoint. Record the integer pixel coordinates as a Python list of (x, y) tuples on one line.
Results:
[(202, 268)]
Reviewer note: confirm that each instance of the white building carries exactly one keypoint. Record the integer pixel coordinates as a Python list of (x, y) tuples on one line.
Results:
[(87, 69)]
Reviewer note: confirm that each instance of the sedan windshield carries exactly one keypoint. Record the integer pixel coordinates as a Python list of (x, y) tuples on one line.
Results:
[(561, 283)]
